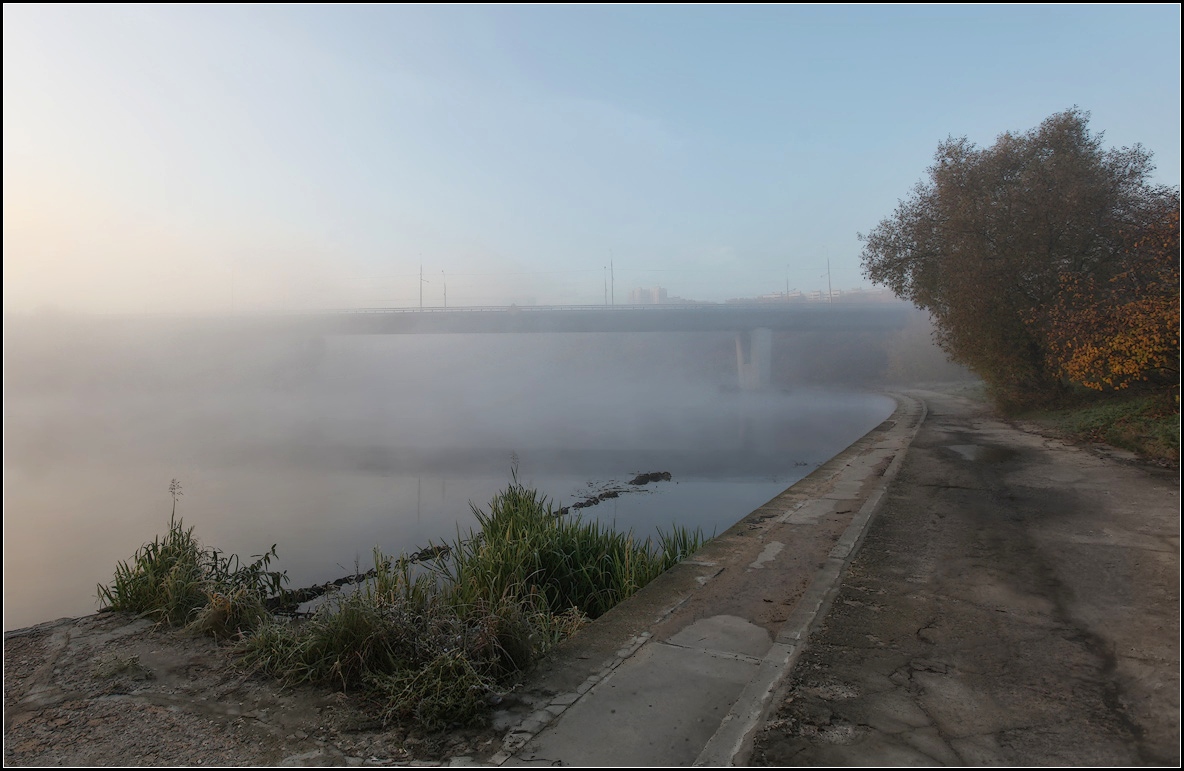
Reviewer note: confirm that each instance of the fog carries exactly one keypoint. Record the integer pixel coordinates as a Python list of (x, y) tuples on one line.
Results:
[(330, 446)]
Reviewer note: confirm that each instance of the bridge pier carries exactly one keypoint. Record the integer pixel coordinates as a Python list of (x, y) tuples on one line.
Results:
[(754, 358)]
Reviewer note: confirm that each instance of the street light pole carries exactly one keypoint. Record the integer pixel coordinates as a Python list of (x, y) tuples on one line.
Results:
[(444, 278), (613, 275)]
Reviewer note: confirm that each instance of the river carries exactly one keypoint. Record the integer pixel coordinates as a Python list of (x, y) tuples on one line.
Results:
[(329, 448)]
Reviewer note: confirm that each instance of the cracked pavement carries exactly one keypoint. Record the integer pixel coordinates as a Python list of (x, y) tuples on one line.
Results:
[(1016, 601)]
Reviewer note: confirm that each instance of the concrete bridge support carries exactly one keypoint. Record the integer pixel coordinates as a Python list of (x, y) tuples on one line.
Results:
[(754, 358)]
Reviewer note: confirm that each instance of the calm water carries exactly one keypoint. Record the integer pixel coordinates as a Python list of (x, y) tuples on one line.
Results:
[(332, 449)]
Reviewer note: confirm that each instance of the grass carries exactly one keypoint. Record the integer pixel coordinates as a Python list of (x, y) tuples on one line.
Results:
[(176, 581), (436, 642), (1146, 424), (524, 549)]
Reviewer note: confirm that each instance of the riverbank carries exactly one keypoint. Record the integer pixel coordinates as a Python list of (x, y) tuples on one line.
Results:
[(687, 670)]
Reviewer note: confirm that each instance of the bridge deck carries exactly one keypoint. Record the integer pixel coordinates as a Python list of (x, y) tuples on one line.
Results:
[(618, 318)]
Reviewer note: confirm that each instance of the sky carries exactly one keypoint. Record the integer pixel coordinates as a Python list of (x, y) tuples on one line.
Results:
[(220, 159)]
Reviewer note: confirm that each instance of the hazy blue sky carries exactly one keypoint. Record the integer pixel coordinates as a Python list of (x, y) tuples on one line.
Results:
[(204, 158)]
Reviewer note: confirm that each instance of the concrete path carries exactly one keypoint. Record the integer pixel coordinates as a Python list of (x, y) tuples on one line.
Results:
[(1016, 602), (683, 672)]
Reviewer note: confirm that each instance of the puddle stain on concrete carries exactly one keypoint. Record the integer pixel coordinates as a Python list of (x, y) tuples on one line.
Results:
[(983, 453)]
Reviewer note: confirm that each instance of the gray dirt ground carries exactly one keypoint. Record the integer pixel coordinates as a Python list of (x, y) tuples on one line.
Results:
[(109, 690)]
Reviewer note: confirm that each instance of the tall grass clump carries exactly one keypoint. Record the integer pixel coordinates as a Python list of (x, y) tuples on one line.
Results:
[(401, 635), (162, 581), (174, 580), (523, 549), (435, 640)]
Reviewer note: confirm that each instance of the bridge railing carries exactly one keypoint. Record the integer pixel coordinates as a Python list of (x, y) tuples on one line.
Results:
[(655, 307)]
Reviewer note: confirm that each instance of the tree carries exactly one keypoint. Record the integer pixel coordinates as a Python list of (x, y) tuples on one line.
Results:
[(985, 244), (1111, 334)]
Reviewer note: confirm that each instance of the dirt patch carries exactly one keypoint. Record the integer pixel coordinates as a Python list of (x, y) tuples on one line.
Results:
[(111, 690)]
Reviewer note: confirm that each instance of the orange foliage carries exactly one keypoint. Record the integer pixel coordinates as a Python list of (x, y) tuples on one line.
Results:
[(1110, 334)]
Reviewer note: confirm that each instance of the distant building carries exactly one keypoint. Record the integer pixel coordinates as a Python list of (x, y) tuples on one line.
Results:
[(676, 300), (878, 295), (655, 296)]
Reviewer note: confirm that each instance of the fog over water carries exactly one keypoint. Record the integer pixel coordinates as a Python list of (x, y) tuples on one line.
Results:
[(331, 446)]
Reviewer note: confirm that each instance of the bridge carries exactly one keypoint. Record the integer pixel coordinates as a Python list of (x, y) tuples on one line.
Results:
[(753, 323)]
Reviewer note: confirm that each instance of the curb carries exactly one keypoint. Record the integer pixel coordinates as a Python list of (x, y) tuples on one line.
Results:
[(732, 743)]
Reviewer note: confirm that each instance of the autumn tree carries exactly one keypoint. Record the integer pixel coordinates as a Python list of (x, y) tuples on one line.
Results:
[(1110, 333), (986, 242)]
